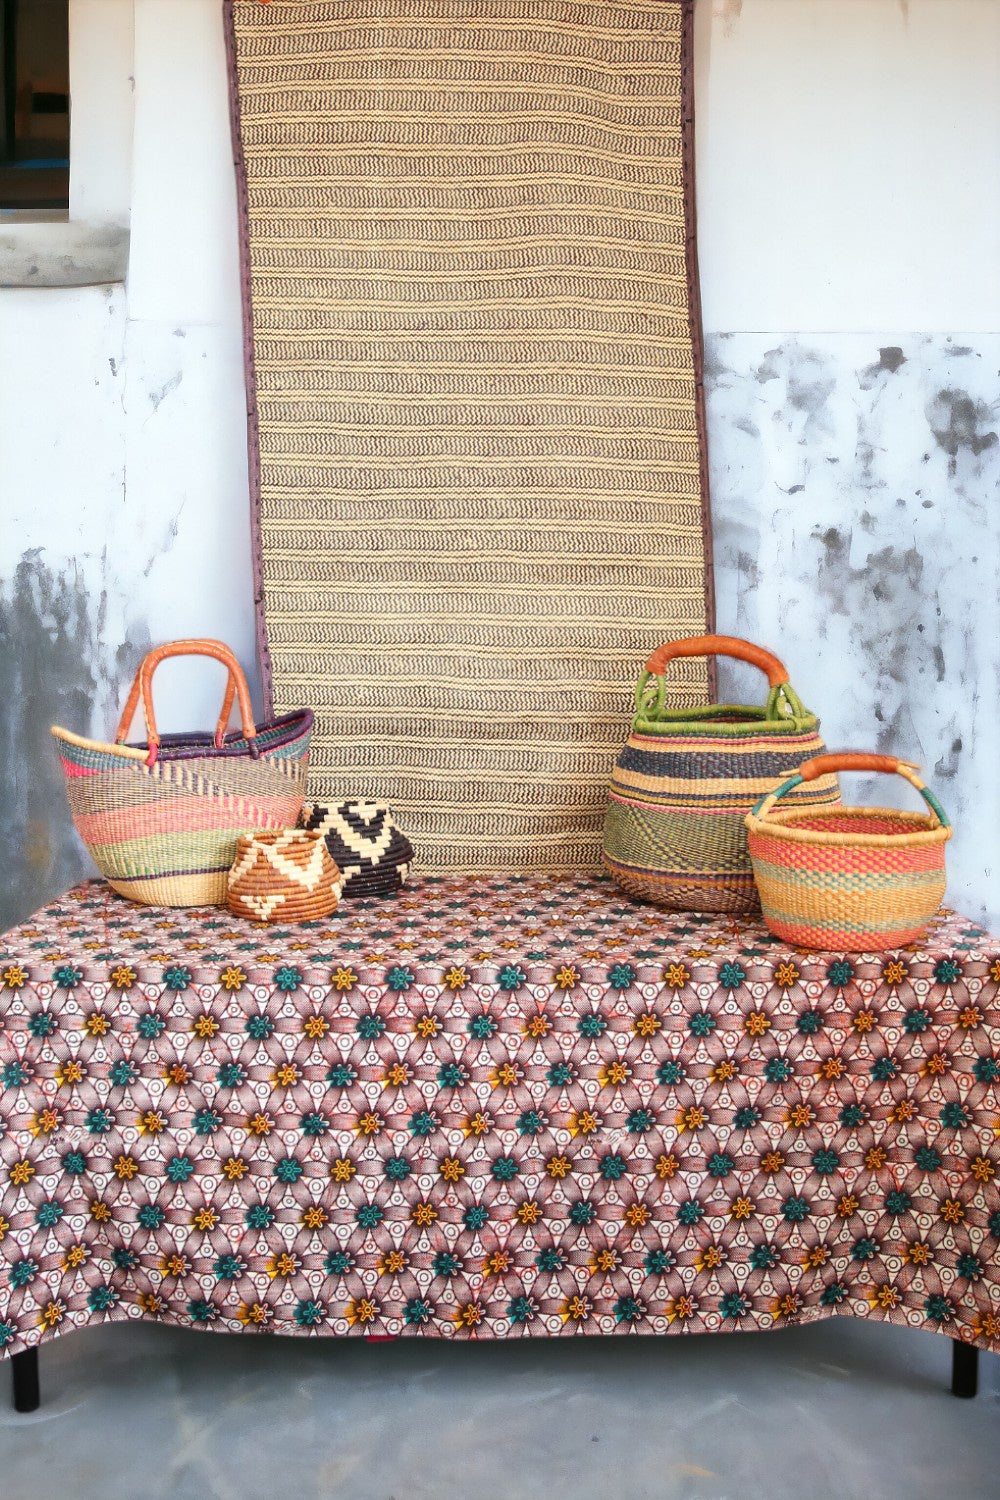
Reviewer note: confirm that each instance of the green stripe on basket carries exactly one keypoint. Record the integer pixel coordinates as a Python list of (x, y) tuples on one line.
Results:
[(852, 885), (211, 848), (828, 923)]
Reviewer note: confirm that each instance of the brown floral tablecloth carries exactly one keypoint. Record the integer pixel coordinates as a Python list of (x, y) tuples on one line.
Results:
[(505, 1108)]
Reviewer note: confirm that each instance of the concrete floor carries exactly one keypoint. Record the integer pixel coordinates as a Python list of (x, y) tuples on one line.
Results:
[(840, 1411)]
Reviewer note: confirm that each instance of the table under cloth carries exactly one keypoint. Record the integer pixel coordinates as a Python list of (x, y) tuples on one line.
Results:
[(492, 1108)]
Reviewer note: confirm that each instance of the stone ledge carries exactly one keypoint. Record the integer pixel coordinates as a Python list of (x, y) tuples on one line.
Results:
[(62, 254)]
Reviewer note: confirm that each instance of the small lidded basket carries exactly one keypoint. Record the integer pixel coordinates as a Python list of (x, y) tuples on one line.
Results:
[(854, 879), (283, 875)]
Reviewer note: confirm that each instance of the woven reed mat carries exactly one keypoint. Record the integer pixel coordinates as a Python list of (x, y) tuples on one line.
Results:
[(474, 394)]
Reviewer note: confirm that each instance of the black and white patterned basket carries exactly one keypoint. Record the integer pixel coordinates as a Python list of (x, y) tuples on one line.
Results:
[(371, 853)]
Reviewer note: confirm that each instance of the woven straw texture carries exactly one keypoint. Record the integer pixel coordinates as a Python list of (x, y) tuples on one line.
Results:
[(475, 414), (283, 876)]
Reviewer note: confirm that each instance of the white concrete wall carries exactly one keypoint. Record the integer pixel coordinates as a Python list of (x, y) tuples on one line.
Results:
[(848, 156)]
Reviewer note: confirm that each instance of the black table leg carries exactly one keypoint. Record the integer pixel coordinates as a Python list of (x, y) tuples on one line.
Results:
[(964, 1368), (24, 1375)]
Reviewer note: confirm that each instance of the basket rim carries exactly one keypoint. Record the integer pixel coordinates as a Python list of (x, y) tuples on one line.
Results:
[(780, 824)]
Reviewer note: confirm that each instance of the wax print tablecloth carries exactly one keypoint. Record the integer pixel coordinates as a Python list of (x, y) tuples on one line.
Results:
[(491, 1109)]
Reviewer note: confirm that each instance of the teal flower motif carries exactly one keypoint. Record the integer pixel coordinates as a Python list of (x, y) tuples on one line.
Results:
[(201, 1311), (639, 1121), (177, 977), (702, 1024), (732, 975), (8, 1333), (122, 1074), (778, 1070), (795, 1209), (671, 1072), (151, 1216), (399, 978), (864, 1249), (504, 1169), (550, 1259), (150, 1026), (834, 1294), (125, 1259), (228, 1267), (629, 1309), (746, 1117), (476, 1216), (928, 1158), (15, 1075), (288, 1169), (809, 1022), (42, 1024), (103, 1298), (852, 1115), (947, 970), (954, 1115), (397, 1168), (370, 1027), (339, 1262), (993, 1224), (734, 1305), (621, 977), (259, 1027), (898, 1202), (446, 1264), (206, 1121), (67, 977), (764, 1257), (309, 1313), (592, 1026), (840, 972), (48, 1214), (231, 1075), (986, 1069), (482, 1027), (99, 1121), (939, 1308), (613, 1167), (825, 1161), (582, 1212), (423, 1123), (74, 1163), (917, 1019), (520, 1310), (659, 1262), (369, 1216), (260, 1216), (313, 1123), (511, 977), (341, 1075), (690, 1212), (451, 1075), (720, 1164), (180, 1168), (23, 1271), (288, 978), (560, 1075), (417, 1312), (969, 1266), (531, 1122)]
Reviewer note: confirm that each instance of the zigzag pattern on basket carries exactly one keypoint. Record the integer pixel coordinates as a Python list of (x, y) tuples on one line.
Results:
[(364, 842)]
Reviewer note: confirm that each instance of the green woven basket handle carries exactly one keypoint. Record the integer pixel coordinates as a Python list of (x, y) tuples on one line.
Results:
[(855, 760), (782, 701)]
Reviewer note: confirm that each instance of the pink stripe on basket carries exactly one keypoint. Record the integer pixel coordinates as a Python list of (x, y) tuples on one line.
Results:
[(183, 815), (72, 769)]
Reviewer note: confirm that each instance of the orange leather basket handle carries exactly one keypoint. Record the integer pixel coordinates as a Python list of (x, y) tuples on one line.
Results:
[(236, 687), (850, 760), (718, 645)]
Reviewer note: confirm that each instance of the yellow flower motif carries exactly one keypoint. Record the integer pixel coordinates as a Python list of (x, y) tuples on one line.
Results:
[(451, 1169), (864, 1021), (315, 1027), (637, 1215), (894, 971), (918, 1254), (647, 1024), (982, 1169), (369, 1123), (876, 1158), (283, 1264), (528, 1213), (741, 1209), (771, 1162), (205, 1026), (786, 1306), (469, 1314), (676, 976), (605, 1261), (45, 1121), (847, 1205), (423, 1214), (478, 1124), (174, 1265), (178, 1073), (15, 977), (151, 1123), (558, 1167), (757, 1023), (497, 1264), (665, 1166), (566, 977), (831, 1068), (205, 1219), (537, 1026), (456, 979), (816, 1256), (4, 1226), (285, 1076), (680, 1309), (97, 1024), (987, 1325), (52, 1314), (995, 970), (234, 1169), (123, 977), (150, 1303), (612, 1075), (710, 1259), (884, 1296), (396, 1075), (364, 1310), (21, 1173), (259, 1124), (125, 1168), (255, 1313), (75, 1257), (68, 1073), (583, 1122), (575, 1309), (786, 974), (232, 977), (343, 1169), (692, 1118), (800, 1116), (344, 979), (314, 1217), (392, 1263), (724, 1071), (427, 1026), (100, 1212), (952, 1211)]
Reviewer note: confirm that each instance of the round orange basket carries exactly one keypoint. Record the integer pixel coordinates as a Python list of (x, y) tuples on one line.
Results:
[(860, 879)]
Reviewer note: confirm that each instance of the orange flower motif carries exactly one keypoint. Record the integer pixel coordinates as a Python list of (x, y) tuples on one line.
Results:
[(647, 1024), (884, 1296), (455, 979), (97, 1024), (255, 1313), (396, 1075), (786, 974), (757, 1023), (478, 1124), (583, 1122), (982, 1169), (831, 1068), (692, 1118), (232, 977), (614, 1074), (150, 1304), (771, 1162), (314, 1217), (68, 1073), (894, 972), (75, 1257), (710, 1259), (364, 1310), (123, 977), (724, 1071), (178, 1073), (497, 1264), (427, 1026), (174, 1265), (315, 1027), (558, 1167), (423, 1214), (637, 1215), (952, 1211), (506, 1076), (875, 1158), (528, 1213), (575, 1309), (537, 1026), (4, 1226), (205, 1026), (935, 1066), (392, 1263), (21, 1173), (285, 1076), (786, 1306), (259, 1124), (234, 1169), (847, 1205), (665, 1166), (205, 1219), (52, 1314), (816, 1256), (451, 1169), (605, 1261), (344, 979), (100, 1212), (995, 970), (970, 1018), (918, 1254), (369, 1123), (284, 1264), (676, 976), (45, 1121), (343, 1169), (987, 1325), (151, 1122), (679, 1309), (903, 1111), (15, 977), (800, 1116), (864, 1021), (566, 977), (742, 1209)]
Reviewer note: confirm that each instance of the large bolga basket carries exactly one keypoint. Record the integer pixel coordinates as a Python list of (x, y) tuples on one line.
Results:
[(686, 778), (161, 820), (860, 879)]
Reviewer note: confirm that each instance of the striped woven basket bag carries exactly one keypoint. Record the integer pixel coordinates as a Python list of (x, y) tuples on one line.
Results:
[(161, 819), (686, 778)]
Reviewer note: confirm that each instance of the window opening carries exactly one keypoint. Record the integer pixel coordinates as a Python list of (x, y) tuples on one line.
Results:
[(34, 104)]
